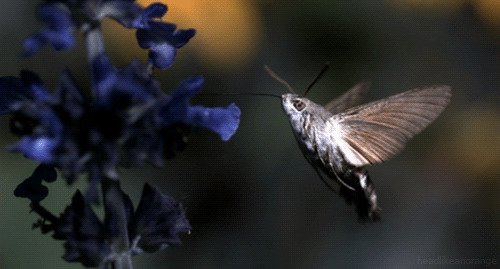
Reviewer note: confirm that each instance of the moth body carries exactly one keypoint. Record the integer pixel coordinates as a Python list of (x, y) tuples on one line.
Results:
[(315, 135), (341, 138)]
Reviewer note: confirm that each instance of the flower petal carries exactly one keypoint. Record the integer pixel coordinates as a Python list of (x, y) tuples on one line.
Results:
[(104, 76), (162, 55), (32, 187), (49, 131), (122, 87), (35, 85), (175, 106), (58, 31), (223, 121), (83, 232), (13, 90), (158, 221), (163, 39), (155, 10), (37, 148)]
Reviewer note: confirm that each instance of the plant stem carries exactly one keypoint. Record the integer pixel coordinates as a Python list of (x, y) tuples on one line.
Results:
[(124, 261), (95, 43)]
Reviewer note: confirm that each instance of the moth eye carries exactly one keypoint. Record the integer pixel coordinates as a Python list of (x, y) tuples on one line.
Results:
[(299, 105)]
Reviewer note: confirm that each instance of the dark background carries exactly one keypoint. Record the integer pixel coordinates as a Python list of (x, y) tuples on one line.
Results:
[(254, 202)]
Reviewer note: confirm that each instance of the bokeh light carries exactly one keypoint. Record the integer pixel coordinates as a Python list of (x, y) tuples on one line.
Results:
[(489, 10), (473, 149), (443, 5), (229, 32)]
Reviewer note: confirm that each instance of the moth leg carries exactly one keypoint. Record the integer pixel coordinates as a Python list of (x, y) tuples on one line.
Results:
[(345, 184), (328, 161)]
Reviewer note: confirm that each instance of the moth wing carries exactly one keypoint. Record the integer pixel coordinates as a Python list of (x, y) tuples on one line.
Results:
[(349, 99), (374, 132)]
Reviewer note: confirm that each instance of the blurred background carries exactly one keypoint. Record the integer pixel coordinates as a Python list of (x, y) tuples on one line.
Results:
[(254, 202)]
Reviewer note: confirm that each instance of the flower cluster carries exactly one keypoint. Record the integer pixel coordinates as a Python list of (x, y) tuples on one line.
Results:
[(128, 117), (129, 114)]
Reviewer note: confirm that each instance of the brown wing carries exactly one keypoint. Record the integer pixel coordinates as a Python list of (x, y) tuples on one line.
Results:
[(374, 132), (351, 98)]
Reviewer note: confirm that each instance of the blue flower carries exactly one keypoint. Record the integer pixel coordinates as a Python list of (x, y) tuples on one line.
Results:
[(63, 17), (58, 31), (223, 121), (177, 108), (46, 137), (153, 11), (163, 40)]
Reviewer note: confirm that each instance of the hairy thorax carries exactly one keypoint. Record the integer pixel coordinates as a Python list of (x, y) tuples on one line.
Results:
[(315, 141)]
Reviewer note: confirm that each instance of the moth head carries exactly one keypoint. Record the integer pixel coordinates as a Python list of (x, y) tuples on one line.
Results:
[(293, 104)]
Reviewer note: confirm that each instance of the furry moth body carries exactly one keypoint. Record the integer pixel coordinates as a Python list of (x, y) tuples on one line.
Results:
[(342, 138)]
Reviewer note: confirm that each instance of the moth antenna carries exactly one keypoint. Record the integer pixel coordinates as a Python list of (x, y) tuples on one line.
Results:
[(321, 73), (279, 79)]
